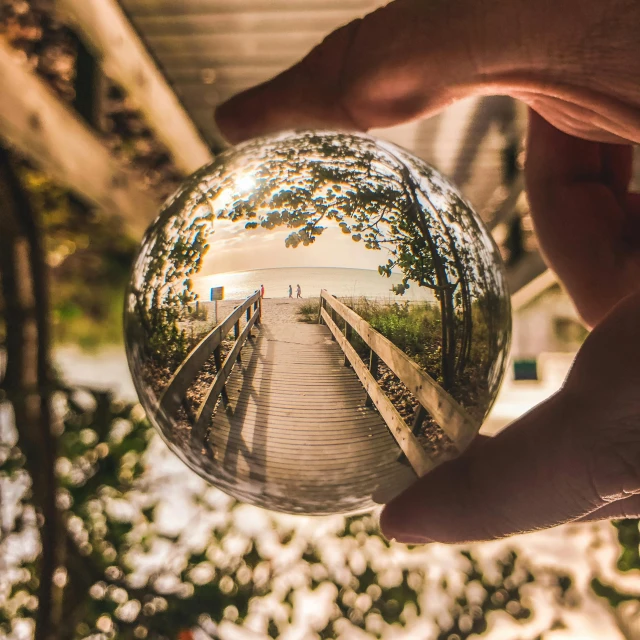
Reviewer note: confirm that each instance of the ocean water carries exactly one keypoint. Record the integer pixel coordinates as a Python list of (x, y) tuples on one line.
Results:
[(338, 282)]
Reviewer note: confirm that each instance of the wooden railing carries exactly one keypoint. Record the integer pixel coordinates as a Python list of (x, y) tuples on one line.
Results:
[(184, 376), (444, 409)]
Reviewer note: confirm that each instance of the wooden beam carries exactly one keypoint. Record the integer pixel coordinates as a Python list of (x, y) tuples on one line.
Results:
[(126, 61), (533, 290), (185, 25), (506, 208), (43, 129), (530, 266), (198, 7)]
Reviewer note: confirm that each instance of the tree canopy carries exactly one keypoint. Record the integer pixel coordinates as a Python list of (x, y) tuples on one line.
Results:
[(389, 202)]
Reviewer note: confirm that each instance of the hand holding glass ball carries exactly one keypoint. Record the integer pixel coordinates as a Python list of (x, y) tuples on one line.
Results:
[(337, 401), (410, 60)]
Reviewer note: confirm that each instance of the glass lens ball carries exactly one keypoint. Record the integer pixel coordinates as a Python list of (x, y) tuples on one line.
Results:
[(315, 320)]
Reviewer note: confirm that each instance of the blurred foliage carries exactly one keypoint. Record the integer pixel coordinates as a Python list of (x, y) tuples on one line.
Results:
[(629, 560), (52, 50), (135, 145), (32, 28), (89, 256), (132, 573), (89, 259)]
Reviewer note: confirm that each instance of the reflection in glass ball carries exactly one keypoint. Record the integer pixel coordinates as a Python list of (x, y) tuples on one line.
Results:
[(316, 319)]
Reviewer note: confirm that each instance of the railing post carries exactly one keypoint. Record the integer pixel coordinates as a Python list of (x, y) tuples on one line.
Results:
[(347, 335), (217, 356), (334, 317), (373, 369), (259, 321), (236, 333), (320, 309), (418, 418)]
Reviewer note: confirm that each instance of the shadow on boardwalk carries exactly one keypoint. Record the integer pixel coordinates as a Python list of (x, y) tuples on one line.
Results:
[(297, 418)]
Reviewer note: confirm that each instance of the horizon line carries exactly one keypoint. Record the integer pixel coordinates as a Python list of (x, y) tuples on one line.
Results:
[(220, 273)]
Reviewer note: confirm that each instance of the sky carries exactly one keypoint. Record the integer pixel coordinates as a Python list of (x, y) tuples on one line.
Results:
[(232, 248)]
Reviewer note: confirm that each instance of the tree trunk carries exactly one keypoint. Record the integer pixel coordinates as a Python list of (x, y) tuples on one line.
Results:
[(27, 382), (467, 317), (445, 288)]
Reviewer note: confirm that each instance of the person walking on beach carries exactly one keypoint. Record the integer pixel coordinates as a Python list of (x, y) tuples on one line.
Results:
[(298, 291), (262, 291), (290, 291)]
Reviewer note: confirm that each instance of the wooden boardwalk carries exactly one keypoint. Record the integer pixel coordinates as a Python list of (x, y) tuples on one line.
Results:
[(298, 427)]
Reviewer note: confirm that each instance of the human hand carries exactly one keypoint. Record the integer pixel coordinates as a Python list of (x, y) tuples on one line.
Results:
[(576, 63), (578, 66), (574, 457)]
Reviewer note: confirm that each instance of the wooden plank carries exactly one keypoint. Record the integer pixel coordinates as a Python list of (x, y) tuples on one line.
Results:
[(234, 46), (445, 410), (43, 129), (186, 25), (358, 432), (311, 419), (307, 395), (416, 455), (170, 8), (319, 438), (184, 375), (282, 444), (126, 61), (336, 386), (212, 75), (292, 430), (217, 386), (282, 469)]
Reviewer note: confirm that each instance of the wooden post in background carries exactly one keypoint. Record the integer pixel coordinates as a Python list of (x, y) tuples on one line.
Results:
[(28, 380)]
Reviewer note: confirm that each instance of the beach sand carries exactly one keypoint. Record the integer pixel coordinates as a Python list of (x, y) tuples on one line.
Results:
[(276, 310)]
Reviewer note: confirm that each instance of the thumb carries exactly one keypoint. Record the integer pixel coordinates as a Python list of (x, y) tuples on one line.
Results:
[(566, 459), (533, 475), (397, 63), (309, 94)]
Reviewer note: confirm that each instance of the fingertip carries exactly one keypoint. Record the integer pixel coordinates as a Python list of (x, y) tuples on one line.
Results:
[(392, 528), (222, 125), (306, 95), (398, 517), (405, 518), (231, 120)]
